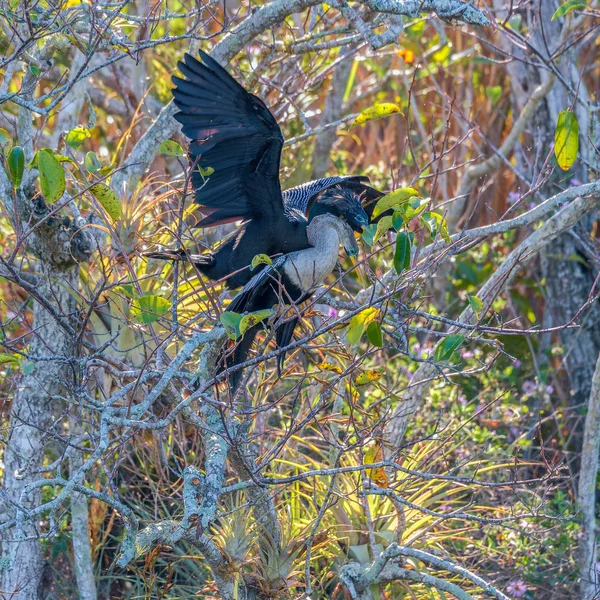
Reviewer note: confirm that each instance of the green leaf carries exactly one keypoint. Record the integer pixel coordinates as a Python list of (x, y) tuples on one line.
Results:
[(402, 253), (51, 175), (374, 334), (397, 220), (35, 70), (476, 305), (127, 289), (253, 318), (382, 226), (76, 137), (16, 165), (171, 148), (108, 199), (393, 199), (148, 309), (436, 224), (494, 93), (442, 54), (106, 170), (13, 359), (63, 159), (236, 325), (260, 259), (231, 321), (367, 377), (4, 137), (92, 164), (378, 111), (359, 322), (446, 348), (206, 172), (412, 208), (566, 139), (567, 7), (33, 164), (368, 234)]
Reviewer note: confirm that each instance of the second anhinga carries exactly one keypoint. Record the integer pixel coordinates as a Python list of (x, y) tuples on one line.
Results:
[(234, 137)]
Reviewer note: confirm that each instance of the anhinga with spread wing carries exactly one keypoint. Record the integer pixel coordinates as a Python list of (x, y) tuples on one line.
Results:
[(233, 133), (291, 278)]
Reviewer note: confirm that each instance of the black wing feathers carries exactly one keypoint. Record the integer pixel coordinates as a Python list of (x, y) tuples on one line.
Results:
[(232, 132)]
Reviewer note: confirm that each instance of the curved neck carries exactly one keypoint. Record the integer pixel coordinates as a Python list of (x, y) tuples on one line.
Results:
[(307, 268)]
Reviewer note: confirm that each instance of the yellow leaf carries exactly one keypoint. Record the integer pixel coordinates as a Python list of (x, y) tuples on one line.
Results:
[(368, 377), (383, 225), (108, 199), (393, 199), (51, 175), (378, 111), (566, 139), (374, 454), (359, 322), (327, 366), (260, 259), (407, 55)]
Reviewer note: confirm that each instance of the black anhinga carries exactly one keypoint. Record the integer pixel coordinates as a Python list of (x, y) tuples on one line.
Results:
[(233, 133), (291, 278)]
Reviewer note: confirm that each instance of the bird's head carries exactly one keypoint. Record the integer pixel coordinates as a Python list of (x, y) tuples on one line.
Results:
[(346, 204), (321, 223)]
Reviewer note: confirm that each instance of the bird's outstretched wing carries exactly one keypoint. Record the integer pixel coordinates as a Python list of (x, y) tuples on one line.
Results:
[(301, 198), (233, 133)]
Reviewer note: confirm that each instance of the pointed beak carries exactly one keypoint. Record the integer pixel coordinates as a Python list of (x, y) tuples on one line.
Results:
[(362, 220)]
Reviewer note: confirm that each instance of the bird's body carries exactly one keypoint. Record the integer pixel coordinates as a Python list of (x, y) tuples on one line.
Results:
[(236, 139), (231, 261), (235, 152), (291, 279)]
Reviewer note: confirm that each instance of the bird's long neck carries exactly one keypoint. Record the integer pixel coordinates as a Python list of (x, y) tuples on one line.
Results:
[(307, 268)]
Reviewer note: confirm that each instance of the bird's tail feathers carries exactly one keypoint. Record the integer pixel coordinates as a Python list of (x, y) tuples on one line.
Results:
[(200, 260), (283, 336), (237, 357)]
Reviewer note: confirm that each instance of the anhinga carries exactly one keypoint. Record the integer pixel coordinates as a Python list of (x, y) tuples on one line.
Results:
[(236, 139), (291, 278)]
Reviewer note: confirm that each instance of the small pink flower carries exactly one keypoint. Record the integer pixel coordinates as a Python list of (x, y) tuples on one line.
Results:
[(332, 312), (549, 389), (517, 588), (528, 387), (466, 354), (517, 364), (513, 197)]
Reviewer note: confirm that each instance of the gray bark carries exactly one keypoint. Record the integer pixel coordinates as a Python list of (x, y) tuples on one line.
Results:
[(31, 417), (568, 281), (586, 495)]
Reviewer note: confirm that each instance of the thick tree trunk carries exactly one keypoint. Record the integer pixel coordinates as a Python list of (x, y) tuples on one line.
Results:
[(586, 495), (568, 271), (33, 409)]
